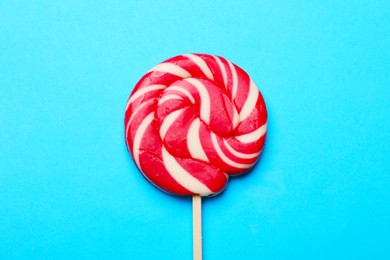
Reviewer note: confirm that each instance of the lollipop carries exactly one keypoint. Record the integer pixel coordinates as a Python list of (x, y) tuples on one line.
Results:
[(193, 121)]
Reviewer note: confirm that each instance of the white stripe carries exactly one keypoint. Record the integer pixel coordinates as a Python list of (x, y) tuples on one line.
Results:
[(238, 154), (234, 78), (253, 136), (236, 117), (139, 135), (224, 158), (183, 177), (204, 99), (250, 101), (143, 91), (168, 97), (132, 117), (201, 64), (222, 68), (172, 69), (182, 90), (193, 142), (168, 121)]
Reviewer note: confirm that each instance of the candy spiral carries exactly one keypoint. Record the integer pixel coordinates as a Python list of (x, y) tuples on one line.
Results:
[(194, 120)]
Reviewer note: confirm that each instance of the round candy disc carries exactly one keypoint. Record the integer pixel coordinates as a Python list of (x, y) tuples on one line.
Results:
[(193, 121)]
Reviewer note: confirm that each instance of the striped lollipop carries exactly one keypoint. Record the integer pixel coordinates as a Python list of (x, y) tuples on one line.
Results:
[(194, 120)]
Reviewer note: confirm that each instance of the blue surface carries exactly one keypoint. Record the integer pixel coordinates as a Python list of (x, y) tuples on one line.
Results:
[(69, 190)]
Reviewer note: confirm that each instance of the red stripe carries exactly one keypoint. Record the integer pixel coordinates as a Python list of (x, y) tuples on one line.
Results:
[(208, 147), (256, 119), (243, 81), (154, 170), (210, 176), (175, 140), (152, 165), (137, 120)]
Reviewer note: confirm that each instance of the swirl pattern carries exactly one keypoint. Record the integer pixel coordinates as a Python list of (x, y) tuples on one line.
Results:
[(194, 120)]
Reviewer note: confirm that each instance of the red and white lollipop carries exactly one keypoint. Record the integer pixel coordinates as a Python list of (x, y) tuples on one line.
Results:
[(193, 121)]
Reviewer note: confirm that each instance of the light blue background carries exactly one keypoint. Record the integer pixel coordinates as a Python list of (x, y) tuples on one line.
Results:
[(69, 190)]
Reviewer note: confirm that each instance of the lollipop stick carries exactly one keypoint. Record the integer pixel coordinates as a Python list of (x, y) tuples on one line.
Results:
[(197, 226)]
